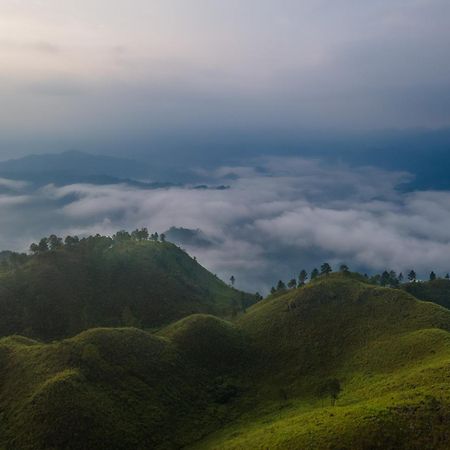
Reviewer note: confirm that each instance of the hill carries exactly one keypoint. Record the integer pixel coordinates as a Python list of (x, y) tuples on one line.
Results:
[(100, 281), (265, 381)]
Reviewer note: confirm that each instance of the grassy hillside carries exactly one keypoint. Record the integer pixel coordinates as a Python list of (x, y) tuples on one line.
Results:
[(261, 382), (437, 291), (390, 353), (100, 282)]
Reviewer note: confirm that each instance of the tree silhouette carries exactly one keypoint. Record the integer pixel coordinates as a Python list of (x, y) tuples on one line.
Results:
[(303, 276), (314, 274), (432, 276), (54, 242), (331, 388), (292, 283), (43, 245), (325, 269), (412, 276)]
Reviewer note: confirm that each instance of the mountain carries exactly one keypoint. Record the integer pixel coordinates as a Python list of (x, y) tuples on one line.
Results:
[(266, 380), (100, 281), (72, 167)]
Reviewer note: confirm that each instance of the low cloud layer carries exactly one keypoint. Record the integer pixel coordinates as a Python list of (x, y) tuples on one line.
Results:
[(280, 215)]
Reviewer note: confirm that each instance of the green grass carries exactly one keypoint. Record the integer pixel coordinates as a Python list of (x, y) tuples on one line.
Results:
[(206, 383)]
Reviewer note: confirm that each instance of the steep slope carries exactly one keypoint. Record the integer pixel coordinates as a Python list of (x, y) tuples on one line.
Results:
[(98, 282)]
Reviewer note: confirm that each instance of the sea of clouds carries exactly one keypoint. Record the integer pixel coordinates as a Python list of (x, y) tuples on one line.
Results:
[(278, 216)]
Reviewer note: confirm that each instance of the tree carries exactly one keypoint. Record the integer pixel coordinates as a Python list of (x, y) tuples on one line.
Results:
[(432, 276), (163, 237), (385, 278), (280, 285), (273, 290), (314, 274), (303, 276), (34, 248), (70, 241), (393, 279), (344, 268), (43, 245), (122, 236), (140, 234), (292, 283), (412, 276), (447, 276), (54, 242), (331, 388), (232, 280), (154, 236), (325, 269), (400, 278), (258, 297)]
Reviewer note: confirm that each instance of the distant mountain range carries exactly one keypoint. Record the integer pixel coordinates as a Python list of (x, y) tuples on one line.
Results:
[(75, 167)]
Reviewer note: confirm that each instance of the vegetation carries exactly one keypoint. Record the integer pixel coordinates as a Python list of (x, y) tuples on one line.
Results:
[(436, 290), (338, 363), (66, 286), (342, 361)]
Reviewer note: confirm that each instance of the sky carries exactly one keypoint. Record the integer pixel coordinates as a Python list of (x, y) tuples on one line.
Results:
[(73, 74), (329, 120)]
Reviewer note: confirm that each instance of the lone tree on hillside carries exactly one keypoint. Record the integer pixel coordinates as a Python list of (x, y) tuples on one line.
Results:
[(232, 280), (412, 276), (292, 283), (330, 388), (280, 285), (303, 276), (432, 276), (162, 237), (344, 268), (325, 269), (400, 278), (314, 274)]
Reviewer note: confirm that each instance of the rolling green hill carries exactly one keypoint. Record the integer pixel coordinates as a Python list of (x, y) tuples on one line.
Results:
[(102, 282), (260, 382)]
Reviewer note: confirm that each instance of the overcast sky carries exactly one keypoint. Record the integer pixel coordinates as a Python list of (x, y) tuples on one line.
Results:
[(96, 68)]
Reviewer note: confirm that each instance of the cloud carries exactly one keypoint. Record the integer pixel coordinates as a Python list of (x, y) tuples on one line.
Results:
[(156, 67), (280, 215)]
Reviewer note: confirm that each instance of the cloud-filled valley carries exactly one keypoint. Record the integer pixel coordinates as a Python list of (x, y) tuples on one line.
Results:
[(278, 216)]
